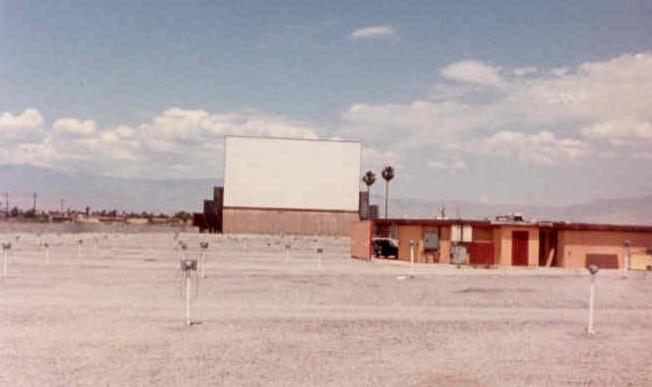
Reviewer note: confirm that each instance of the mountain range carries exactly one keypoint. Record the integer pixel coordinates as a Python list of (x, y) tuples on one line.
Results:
[(79, 190)]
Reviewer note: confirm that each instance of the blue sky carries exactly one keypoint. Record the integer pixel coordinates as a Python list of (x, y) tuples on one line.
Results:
[(505, 101)]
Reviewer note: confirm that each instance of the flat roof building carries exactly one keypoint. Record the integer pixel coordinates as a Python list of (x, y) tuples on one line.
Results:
[(509, 242)]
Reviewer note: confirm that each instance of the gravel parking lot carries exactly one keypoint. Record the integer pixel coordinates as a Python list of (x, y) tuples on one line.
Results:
[(112, 314)]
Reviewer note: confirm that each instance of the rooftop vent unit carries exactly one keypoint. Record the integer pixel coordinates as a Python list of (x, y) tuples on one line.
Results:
[(513, 217)]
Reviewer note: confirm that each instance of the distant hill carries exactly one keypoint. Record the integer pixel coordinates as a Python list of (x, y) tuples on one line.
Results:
[(100, 192), (136, 194)]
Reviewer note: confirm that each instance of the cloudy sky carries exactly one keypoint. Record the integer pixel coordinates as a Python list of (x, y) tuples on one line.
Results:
[(500, 102)]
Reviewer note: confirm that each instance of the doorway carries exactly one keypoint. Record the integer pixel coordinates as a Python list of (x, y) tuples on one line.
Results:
[(520, 248)]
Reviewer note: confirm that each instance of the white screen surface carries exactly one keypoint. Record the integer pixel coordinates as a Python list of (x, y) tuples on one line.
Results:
[(289, 173)]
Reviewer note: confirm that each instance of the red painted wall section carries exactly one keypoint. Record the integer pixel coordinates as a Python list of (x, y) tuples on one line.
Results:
[(481, 253), (520, 252)]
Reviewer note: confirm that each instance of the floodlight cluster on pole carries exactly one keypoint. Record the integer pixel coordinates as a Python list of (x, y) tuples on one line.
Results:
[(204, 247), (5, 248), (188, 267), (46, 253), (593, 269), (79, 248)]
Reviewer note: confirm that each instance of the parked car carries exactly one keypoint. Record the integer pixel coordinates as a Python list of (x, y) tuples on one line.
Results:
[(385, 247)]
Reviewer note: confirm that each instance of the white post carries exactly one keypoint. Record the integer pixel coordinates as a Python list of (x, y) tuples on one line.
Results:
[(287, 253), (626, 245), (188, 287), (47, 253), (6, 263), (411, 258), (591, 304), (593, 269), (244, 244), (203, 264), (204, 247), (79, 247)]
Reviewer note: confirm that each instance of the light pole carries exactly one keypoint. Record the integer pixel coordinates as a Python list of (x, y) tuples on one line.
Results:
[(411, 258), (187, 267), (626, 253), (593, 269), (204, 247), (6, 247), (47, 252)]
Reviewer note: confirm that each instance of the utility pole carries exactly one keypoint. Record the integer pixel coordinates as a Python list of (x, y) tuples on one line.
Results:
[(7, 202), (34, 205), (386, 194), (62, 201)]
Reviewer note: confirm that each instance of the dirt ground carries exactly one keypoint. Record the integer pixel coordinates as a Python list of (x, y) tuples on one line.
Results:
[(113, 315)]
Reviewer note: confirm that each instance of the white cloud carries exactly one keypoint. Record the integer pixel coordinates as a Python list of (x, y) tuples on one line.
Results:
[(592, 108), (452, 167), (189, 139), (539, 148), (416, 123), (559, 71), (21, 126), (195, 125), (524, 71), (42, 153), (437, 165), (74, 127), (374, 32), (28, 119), (472, 71), (459, 165), (594, 101), (375, 159), (620, 131), (595, 91)]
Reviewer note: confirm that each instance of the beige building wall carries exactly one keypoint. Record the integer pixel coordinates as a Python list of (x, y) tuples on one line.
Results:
[(445, 245), (502, 238), (361, 240), (416, 233), (575, 245), (405, 234), (279, 221), (444, 254), (571, 249)]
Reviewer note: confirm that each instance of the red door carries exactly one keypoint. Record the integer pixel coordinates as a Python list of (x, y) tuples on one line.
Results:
[(481, 253), (519, 248)]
